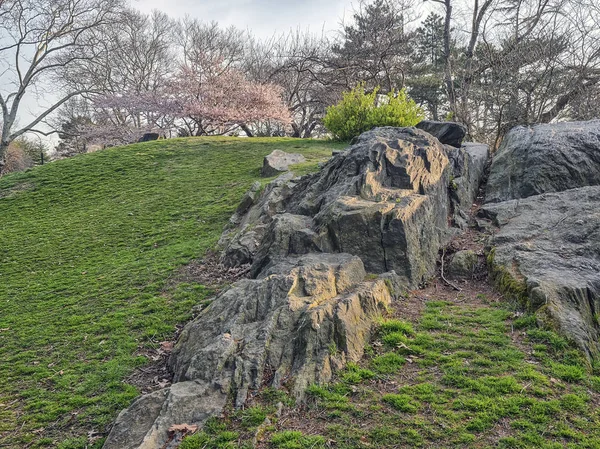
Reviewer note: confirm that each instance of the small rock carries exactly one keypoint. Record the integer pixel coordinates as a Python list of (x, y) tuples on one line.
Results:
[(148, 137), (463, 264), (279, 162), (448, 133)]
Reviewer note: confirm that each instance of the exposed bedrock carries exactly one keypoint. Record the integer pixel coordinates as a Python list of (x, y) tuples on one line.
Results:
[(544, 195), (545, 158), (448, 133), (382, 206), (385, 199), (547, 253), (468, 169), (278, 328)]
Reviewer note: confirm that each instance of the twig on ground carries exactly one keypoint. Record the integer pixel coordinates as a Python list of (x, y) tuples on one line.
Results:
[(442, 274)]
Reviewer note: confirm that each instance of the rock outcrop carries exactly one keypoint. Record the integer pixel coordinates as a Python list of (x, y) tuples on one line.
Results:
[(385, 199), (547, 253), (468, 170), (279, 162), (545, 158), (380, 207), (544, 195), (448, 133), (305, 316)]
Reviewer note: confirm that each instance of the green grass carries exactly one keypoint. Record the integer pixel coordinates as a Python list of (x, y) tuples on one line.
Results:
[(87, 246), (469, 386)]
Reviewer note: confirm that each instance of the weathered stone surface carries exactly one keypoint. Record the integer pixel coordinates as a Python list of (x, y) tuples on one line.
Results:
[(449, 133), (297, 322), (308, 309), (279, 162), (249, 199), (249, 226), (385, 199), (132, 424), (463, 264), (545, 158), (547, 254)]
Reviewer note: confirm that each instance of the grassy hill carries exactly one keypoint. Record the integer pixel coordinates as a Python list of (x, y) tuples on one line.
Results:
[(89, 251), (87, 246)]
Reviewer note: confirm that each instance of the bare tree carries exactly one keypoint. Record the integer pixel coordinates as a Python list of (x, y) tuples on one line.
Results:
[(40, 39), (205, 47), (138, 61), (299, 63)]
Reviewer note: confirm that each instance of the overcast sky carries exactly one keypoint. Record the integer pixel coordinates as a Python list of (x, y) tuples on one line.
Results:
[(264, 17)]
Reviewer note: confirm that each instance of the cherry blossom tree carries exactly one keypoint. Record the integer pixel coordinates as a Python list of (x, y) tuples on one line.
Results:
[(214, 99)]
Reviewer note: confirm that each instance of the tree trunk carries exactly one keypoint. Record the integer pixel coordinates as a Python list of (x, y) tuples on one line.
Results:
[(3, 148), (247, 130), (447, 58)]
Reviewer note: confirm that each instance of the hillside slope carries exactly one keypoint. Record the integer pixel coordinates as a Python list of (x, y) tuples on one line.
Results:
[(87, 246)]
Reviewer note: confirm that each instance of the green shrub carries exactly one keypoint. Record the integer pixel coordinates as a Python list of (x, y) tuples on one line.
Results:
[(360, 111)]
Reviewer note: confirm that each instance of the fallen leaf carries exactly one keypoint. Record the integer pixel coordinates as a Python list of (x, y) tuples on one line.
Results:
[(166, 346), (184, 428)]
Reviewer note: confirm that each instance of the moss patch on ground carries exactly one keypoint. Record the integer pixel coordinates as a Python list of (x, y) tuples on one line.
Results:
[(87, 246)]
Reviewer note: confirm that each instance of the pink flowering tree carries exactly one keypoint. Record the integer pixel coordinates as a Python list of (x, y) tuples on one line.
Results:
[(199, 101)]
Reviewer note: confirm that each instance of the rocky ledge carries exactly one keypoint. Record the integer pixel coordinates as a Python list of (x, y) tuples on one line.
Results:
[(386, 199), (381, 207)]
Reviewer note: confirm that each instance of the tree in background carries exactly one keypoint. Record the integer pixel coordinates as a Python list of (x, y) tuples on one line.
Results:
[(375, 47), (298, 62), (491, 64), (215, 98), (426, 82), (24, 153), (74, 117), (360, 111), (42, 41)]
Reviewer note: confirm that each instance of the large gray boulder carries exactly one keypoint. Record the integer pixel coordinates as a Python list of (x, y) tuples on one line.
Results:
[(380, 206), (385, 199), (544, 195), (448, 133), (545, 158), (547, 254), (297, 323), (279, 162)]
